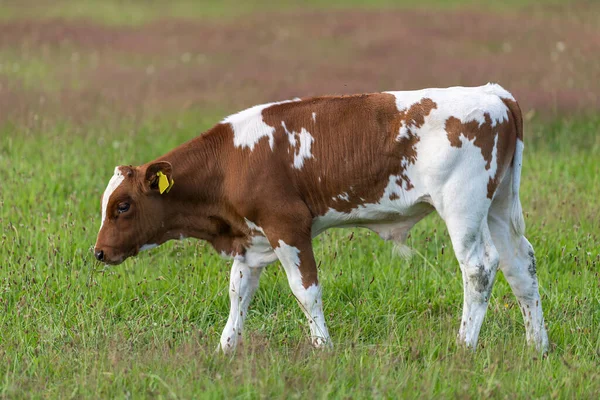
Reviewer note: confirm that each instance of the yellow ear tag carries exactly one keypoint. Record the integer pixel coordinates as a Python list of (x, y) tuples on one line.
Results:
[(163, 183)]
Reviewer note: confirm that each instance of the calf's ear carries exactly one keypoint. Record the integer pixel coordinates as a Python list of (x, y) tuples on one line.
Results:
[(159, 177)]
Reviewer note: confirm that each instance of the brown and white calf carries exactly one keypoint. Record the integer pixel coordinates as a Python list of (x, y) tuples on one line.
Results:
[(260, 185)]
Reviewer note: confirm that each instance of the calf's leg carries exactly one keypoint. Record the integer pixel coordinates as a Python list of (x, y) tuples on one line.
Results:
[(478, 260), (242, 286), (517, 262), (299, 264)]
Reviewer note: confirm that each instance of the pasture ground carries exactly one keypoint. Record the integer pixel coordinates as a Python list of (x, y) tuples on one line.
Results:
[(87, 85)]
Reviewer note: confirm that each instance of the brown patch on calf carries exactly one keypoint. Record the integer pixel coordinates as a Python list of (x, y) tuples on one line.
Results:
[(484, 136), (365, 143), (416, 114)]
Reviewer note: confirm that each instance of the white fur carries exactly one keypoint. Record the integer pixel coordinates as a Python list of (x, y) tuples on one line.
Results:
[(231, 256), (303, 152), (289, 255), (242, 286), (465, 103), (148, 246), (113, 184), (248, 126), (344, 196), (494, 88), (305, 139), (253, 227), (259, 253), (403, 133)]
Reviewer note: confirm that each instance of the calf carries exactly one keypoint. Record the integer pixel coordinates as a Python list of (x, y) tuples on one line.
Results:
[(262, 183)]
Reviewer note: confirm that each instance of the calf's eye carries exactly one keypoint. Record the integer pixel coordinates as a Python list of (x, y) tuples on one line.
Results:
[(122, 207)]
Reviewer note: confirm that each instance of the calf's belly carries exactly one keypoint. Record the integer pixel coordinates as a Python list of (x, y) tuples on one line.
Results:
[(390, 220)]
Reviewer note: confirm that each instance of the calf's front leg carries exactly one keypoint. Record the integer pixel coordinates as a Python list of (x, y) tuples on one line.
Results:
[(299, 264), (243, 283)]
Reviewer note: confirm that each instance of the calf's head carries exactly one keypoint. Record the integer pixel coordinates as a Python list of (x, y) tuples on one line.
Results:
[(133, 211)]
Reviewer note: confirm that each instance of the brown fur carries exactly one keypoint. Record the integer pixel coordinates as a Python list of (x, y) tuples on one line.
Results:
[(362, 155)]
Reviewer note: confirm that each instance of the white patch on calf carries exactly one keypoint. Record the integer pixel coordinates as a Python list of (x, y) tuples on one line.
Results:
[(305, 139), (289, 255), (314, 116), (465, 103), (303, 153), (404, 130), (498, 90), (113, 184), (259, 253), (148, 246), (231, 256), (494, 161), (291, 135), (253, 227), (344, 196), (242, 285), (249, 127)]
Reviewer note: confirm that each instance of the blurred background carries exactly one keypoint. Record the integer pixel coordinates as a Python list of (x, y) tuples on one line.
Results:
[(80, 60)]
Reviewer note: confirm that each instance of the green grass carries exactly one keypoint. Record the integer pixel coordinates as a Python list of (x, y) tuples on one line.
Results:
[(70, 327)]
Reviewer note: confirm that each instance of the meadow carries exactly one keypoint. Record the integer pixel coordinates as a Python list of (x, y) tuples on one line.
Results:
[(85, 86)]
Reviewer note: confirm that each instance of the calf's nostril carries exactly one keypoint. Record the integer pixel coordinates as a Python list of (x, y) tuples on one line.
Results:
[(99, 255)]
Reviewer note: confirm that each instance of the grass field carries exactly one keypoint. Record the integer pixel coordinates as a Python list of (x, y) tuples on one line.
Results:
[(79, 96)]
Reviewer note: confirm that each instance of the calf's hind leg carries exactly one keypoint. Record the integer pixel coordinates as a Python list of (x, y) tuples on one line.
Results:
[(517, 262), (478, 260)]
